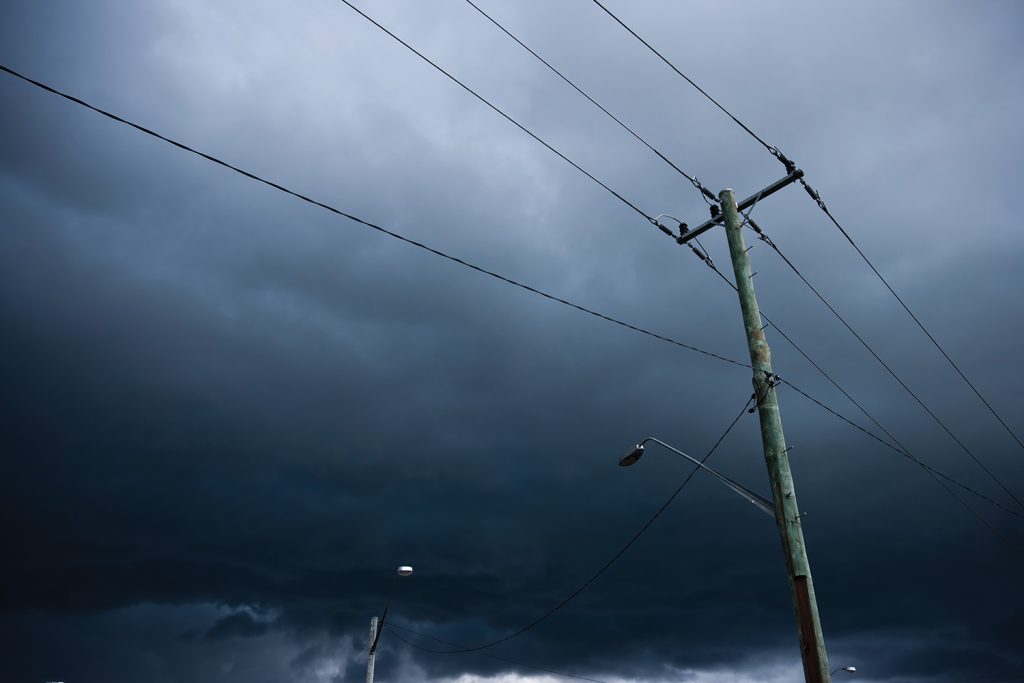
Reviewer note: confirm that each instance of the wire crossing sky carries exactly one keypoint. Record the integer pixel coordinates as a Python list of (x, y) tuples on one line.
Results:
[(484, 271), (892, 372), (654, 221), (227, 420), (895, 445), (508, 118), (612, 560), (707, 194), (817, 198), (373, 226)]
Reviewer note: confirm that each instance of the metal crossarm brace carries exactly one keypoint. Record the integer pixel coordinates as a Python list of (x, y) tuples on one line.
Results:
[(745, 204)]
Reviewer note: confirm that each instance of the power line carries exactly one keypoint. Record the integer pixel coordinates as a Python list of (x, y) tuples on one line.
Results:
[(672, 66), (814, 195), (790, 166), (898, 447), (705, 192), (707, 260), (392, 627), (622, 551), (931, 471), (767, 240), (502, 113), (774, 150), (777, 153), (368, 224), (934, 473), (427, 248), (821, 204)]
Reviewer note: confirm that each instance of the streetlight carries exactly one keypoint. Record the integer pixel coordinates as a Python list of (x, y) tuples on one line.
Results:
[(762, 503), (849, 669), (376, 628)]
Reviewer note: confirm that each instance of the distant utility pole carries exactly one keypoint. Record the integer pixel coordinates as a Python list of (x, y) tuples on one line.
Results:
[(377, 626), (372, 650), (787, 515)]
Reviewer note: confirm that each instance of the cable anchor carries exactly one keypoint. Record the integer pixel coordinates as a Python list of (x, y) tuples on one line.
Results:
[(777, 153), (814, 195), (702, 256)]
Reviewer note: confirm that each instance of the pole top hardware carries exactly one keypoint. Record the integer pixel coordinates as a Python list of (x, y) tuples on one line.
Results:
[(717, 218)]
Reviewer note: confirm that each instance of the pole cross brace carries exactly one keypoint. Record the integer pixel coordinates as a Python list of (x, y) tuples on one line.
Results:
[(745, 204)]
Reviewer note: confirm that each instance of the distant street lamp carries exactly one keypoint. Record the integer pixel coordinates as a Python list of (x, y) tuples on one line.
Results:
[(377, 627), (762, 503), (849, 669)]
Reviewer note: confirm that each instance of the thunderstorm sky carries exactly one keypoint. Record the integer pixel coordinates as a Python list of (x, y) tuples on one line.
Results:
[(229, 415)]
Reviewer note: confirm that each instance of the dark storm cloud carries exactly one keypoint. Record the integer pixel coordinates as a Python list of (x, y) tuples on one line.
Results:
[(230, 415)]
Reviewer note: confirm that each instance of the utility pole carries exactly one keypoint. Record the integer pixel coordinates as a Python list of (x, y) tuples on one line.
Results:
[(377, 627), (787, 515), (372, 650)]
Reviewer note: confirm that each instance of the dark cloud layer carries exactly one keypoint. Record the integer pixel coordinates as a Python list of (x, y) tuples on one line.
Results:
[(229, 415)]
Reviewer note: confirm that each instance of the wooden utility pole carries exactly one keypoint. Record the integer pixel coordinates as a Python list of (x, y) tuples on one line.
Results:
[(787, 515)]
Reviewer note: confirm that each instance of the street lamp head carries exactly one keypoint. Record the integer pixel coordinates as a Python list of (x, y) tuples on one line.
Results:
[(404, 570), (632, 455), (851, 669)]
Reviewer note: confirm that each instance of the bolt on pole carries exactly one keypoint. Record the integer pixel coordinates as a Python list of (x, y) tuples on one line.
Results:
[(787, 515)]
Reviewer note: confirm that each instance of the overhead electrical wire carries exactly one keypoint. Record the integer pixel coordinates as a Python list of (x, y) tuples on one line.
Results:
[(508, 118), (898, 447), (821, 204), (442, 254), (581, 169), (705, 192), (589, 311), (480, 649), (607, 565), (789, 340), (684, 76), (777, 153), (484, 271), (935, 474), (703, 255), (771, 243), (373, 226)]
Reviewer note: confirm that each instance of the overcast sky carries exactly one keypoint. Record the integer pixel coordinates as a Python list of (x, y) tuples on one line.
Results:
[(229, 415)]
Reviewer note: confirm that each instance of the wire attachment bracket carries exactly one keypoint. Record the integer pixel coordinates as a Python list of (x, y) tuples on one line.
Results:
[(814, 195), (772, 380), (716, 214), (701, 255), (777, 153)]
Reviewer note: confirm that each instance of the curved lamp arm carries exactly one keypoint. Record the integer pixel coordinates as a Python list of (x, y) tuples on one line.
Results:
[(758, 500)]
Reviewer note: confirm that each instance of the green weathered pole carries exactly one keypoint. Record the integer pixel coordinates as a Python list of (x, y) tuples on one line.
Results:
[(787, 515)]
